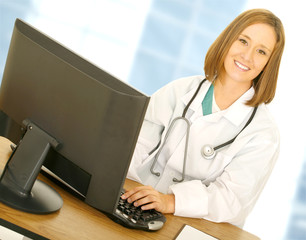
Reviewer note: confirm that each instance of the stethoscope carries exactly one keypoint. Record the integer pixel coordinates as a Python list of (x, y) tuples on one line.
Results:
[(208, 151)]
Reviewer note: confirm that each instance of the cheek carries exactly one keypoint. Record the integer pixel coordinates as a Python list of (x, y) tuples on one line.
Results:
[(228, 61), (260, 64)]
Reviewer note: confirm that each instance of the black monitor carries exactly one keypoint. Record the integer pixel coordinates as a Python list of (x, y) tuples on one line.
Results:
[(69, 116)]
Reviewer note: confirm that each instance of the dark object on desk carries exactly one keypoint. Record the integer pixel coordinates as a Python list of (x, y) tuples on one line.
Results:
[(18, 186), (93, 118), (130, 216), (19, 230)]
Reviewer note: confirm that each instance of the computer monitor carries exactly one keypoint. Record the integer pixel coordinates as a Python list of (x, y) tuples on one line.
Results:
[(68, 115)]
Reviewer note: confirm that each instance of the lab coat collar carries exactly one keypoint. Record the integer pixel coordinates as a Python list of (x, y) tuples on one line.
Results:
[(196, 103), (236, 113)]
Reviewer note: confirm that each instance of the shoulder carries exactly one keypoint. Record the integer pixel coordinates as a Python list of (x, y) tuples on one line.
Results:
[(181, 85), (176, 89), (188, 81), (164, 101), (260, 139), (265, 124), (265, 117)]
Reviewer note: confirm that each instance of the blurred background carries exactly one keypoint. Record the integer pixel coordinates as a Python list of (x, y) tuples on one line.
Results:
[(148, 43)]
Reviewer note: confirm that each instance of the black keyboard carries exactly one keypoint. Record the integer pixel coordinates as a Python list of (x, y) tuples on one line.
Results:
[(130, 216)]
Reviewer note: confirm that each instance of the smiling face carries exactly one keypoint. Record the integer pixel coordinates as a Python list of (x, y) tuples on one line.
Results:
[(249, 54)]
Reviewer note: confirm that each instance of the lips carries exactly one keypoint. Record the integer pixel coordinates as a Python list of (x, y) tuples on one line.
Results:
[(241, 66)]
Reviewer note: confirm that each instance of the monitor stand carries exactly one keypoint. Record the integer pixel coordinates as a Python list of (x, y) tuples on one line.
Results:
[(19, 187)]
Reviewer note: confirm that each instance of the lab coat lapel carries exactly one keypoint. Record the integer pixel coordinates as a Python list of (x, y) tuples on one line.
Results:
[(195, 109), (236, 113), (198, 99)]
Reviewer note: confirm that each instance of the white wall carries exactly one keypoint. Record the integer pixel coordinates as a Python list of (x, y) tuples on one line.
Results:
[(269, 218), (105, 32)]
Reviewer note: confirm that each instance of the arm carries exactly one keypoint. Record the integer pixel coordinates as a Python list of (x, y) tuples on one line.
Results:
[(231, 196), (228, 198)]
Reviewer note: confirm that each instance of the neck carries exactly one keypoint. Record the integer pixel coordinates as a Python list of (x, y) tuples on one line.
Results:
[(226, 92)]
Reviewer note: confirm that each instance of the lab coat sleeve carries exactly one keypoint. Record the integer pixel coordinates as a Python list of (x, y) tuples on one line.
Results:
[(232, 195)]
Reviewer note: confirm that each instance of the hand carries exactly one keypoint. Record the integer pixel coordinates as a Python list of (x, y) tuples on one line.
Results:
[(148, 198)]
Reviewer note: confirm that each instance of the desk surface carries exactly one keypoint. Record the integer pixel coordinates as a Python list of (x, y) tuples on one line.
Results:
[(77, 220)]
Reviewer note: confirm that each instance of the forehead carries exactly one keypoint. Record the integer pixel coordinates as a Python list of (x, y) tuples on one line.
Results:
[(261, 34)]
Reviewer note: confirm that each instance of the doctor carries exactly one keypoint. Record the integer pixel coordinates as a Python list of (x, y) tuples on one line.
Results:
[(241, 70)]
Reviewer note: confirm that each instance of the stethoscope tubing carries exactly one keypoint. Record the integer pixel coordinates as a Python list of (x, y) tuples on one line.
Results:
[(186, 138), (164, 142), (233, 139), (208, 151)]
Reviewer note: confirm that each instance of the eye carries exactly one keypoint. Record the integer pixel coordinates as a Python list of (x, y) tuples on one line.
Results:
[(243, 41), (262, 52)]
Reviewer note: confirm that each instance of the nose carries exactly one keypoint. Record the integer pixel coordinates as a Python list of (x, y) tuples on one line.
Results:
[(248, 54)]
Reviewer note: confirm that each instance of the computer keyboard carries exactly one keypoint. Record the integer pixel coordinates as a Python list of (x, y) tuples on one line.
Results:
[(130, 216)]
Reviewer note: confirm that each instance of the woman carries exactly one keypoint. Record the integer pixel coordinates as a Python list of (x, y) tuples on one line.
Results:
[(241, 68)]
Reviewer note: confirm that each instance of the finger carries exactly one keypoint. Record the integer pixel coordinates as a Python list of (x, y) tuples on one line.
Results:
[(129, 193), (145, 200), (150, 206), (133, 191), (141, 195)]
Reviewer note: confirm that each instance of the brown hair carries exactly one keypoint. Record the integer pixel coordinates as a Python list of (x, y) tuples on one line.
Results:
[(265, 83)]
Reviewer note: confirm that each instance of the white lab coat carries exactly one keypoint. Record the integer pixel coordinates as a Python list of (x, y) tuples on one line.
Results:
[(224, 189)]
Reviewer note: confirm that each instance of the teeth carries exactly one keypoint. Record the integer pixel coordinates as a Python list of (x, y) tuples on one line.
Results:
[(241, 66)]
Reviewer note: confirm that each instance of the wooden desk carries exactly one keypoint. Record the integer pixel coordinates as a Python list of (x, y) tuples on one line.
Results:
[(77, 220)]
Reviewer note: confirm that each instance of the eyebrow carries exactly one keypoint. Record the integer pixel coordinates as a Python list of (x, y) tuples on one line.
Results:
[(262, 45)]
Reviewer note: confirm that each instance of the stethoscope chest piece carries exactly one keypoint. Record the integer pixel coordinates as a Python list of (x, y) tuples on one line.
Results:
[(208, 152)]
